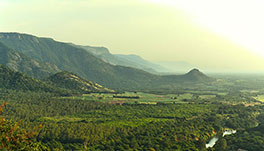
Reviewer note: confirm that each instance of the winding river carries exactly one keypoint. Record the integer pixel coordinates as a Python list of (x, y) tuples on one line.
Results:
[(216, 138)]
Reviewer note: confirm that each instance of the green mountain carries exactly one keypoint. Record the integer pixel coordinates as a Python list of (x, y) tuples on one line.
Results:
[(71, 81), (192, 77), (20, 62), (77, 60), (63, 83), (10, 79), (133, 61), (196, 75)]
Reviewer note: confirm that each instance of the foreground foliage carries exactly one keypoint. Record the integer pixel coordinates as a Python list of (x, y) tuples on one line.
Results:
[(12, 137)]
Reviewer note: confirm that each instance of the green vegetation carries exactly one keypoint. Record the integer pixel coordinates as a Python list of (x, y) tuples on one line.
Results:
[(251, 139), (77, 60), (19, 62), (143, 98), (143, 112), (12, 137), (185, 120), (73, 82), (260, 98), (11, 80), (99, 122), (61, 83)]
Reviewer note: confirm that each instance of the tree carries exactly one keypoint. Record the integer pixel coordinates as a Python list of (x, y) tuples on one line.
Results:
[(12, 137), (221, 145)]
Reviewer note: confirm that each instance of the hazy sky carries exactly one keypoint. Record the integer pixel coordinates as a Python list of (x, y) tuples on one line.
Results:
[(212, 34)]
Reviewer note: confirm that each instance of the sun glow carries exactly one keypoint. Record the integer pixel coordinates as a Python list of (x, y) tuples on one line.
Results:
[(158, 30), (239, 21)]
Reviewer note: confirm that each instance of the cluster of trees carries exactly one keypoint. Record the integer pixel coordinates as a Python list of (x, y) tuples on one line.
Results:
[(250, 139), (80, 124), (12, 137)]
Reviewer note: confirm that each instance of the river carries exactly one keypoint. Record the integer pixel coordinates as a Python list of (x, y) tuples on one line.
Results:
[(216, 138)]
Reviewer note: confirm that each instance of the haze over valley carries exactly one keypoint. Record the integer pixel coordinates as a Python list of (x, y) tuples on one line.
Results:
[(158, 75), (157, 31)]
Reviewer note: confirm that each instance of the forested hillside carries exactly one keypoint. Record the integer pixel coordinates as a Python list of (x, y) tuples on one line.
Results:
[(73, 82), (10, 79), (20, 62), (77, 60), (62, 83)]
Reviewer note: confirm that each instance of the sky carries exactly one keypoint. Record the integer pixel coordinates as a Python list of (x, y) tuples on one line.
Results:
[(215, 35)]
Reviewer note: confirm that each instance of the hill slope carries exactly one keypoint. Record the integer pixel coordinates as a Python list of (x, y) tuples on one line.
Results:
[(140, 63), (76, 60), (71, 81), (133, 61), (63, 83), (196, 75), (20, 62), (10, 79), (83, 63), (192, 77)]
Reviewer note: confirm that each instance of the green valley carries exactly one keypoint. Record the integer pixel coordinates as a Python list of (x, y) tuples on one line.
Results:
[(62, 97), (105, 120), (131, 75)]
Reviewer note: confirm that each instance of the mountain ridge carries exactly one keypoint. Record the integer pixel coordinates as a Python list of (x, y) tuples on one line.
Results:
[(20, 62), (131, 60), (77, 60)]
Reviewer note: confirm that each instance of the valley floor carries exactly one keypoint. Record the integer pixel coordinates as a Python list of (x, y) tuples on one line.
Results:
[(133, 120)]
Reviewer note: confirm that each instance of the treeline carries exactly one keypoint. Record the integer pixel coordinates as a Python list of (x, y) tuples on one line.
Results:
[(88, 125), (251, 139)]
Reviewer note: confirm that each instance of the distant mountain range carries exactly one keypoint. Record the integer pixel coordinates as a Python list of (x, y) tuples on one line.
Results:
[(52, 56), (133, 61)]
